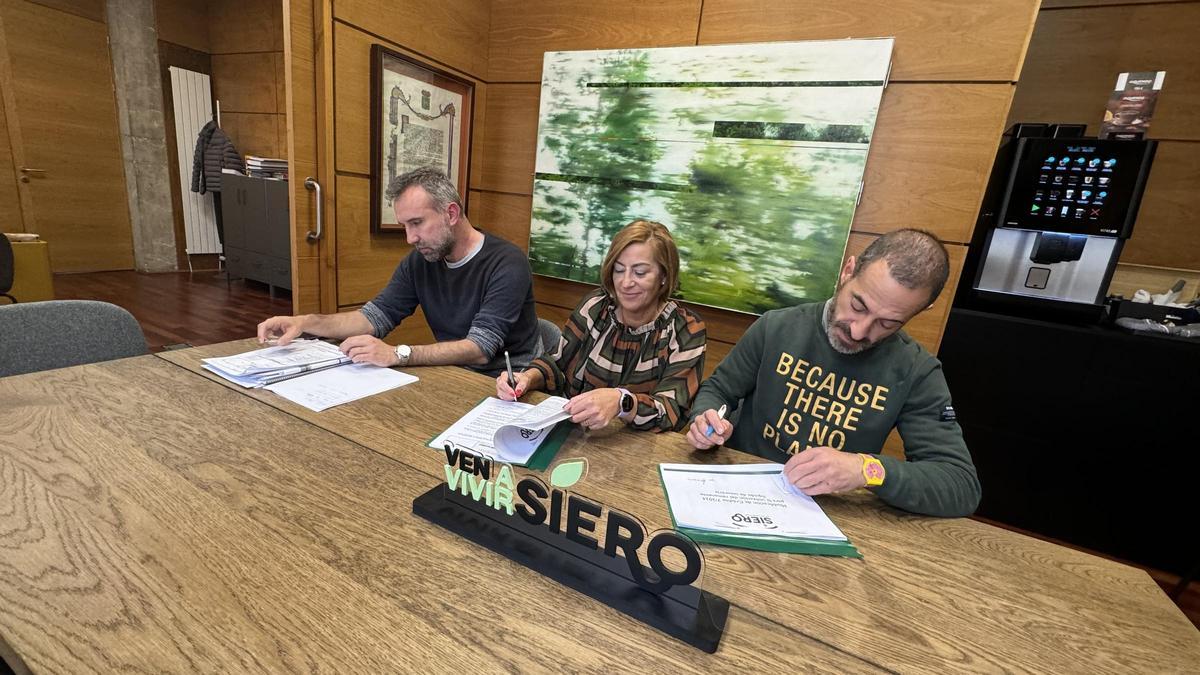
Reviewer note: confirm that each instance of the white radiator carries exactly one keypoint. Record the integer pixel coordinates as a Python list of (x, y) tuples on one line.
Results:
[(192, 97)]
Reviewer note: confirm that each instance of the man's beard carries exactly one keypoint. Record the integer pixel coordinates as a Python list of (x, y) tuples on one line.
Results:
[(443, 249), (854, 347)]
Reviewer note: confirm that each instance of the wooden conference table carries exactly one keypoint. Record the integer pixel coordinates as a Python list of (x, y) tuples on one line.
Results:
[(156, 519)]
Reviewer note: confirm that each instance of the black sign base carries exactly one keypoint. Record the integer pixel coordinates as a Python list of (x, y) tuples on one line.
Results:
[(690, 614)]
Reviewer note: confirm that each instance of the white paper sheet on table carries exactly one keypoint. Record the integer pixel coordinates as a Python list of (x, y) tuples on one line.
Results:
[(748, 499), (324, 389), (508, 430)]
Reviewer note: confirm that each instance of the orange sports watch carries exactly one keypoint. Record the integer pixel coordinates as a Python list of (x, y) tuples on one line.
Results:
[(873, 471)]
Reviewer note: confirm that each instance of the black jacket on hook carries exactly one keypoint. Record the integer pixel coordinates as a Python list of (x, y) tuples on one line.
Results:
[(214, 151)]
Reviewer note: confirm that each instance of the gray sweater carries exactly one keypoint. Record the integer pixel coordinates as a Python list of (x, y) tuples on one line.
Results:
[(488, 300)]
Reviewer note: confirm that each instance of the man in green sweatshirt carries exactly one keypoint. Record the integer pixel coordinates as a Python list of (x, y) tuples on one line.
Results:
[(820, 386)]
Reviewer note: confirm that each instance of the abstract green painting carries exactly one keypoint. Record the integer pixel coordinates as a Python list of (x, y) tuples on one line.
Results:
[(752, 155)]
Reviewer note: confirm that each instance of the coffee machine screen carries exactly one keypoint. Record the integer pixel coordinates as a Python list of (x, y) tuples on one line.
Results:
[(1075, 185)]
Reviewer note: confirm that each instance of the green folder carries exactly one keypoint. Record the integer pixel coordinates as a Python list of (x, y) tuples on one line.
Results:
[(763, 542), (541, 458)]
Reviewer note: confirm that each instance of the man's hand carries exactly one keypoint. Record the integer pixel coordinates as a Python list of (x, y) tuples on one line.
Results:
[(524, 384), (369, 349), (699, 436), (821, 471), (594, 409), (286, 328)]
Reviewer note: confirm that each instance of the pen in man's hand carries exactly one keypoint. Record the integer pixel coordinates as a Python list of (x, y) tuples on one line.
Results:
[(721, 414), (512, 381)]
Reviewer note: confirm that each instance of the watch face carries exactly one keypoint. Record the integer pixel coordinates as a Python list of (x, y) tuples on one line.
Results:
[(874, 471), (626, 402)]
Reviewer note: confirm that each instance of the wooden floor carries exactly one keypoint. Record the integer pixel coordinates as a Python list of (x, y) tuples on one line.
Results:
[(182, 307), (198, 309)]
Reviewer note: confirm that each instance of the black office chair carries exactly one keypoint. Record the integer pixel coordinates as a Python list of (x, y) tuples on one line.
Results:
[(38, 336), (6, 268)]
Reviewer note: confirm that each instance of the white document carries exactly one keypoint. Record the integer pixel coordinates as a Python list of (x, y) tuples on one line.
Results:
[(510, 431), (746, 499), (335, 386), (274, 359)]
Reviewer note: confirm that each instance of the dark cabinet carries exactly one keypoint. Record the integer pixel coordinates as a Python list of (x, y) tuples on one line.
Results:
[(254, 212)]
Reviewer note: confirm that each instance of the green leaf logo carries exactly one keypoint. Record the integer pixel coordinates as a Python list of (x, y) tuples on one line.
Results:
[(568, 473)]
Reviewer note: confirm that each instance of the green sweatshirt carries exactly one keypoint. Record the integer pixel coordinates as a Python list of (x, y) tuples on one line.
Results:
[(796, 392)]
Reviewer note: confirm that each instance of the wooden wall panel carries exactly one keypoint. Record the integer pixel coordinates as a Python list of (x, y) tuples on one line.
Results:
[(238, 26), (88, 9), (364, 262), (503, 215), (249, 81), (522, 30), (1167, 232), (509, 140), (352, 99), (253, 133), (183, 23), (930, 158), (934, 40), (245, 83), (1076, 54), (453, 33)]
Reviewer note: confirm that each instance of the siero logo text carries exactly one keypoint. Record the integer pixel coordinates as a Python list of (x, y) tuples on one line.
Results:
[(477, 476), (743, 519)]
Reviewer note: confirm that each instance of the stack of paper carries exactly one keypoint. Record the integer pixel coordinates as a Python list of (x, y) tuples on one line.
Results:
[(511, 431), (266, 167), (312, 373), (262, 367), (749, 506)]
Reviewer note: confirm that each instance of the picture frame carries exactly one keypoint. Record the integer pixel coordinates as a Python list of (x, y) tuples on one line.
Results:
[(421, 115)]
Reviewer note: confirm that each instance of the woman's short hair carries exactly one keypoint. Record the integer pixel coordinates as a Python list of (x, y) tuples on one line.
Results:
[(662, 247)]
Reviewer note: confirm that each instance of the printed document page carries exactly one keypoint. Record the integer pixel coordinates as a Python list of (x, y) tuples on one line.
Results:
[(507, 430), (744, 499), (324, 389), (268, 359)]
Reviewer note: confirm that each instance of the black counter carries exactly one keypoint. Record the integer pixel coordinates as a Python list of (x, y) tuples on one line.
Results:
[(1087, 434)]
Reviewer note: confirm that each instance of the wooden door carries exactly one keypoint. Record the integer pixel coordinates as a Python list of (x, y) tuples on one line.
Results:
[(308, 60), (57, 88)]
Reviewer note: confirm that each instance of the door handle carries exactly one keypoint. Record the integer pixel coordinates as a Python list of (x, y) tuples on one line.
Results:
[(25, 171), (312, 184)]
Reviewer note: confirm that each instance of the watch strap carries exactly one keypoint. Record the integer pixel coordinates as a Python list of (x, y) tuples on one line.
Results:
[(622, 413)]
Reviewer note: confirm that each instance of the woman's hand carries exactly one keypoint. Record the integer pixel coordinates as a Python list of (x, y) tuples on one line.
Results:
[(526, 381), (594, 409)]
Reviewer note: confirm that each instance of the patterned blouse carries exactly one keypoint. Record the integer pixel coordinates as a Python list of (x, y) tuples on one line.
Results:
[(661, 362)]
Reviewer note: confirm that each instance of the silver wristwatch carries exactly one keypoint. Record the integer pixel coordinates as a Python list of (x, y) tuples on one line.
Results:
[(404, 353)]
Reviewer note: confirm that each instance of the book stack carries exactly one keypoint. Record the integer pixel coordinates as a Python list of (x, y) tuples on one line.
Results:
[(266, 167)]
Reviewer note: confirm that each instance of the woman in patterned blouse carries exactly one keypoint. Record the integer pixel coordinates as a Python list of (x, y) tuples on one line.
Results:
[(628, 351)]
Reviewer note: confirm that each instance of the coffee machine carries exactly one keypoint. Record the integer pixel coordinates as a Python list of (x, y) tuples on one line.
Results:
[(1058, 209)]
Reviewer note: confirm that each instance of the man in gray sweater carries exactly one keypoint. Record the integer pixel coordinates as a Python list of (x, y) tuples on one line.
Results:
[(821, 385), (475, 289)]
